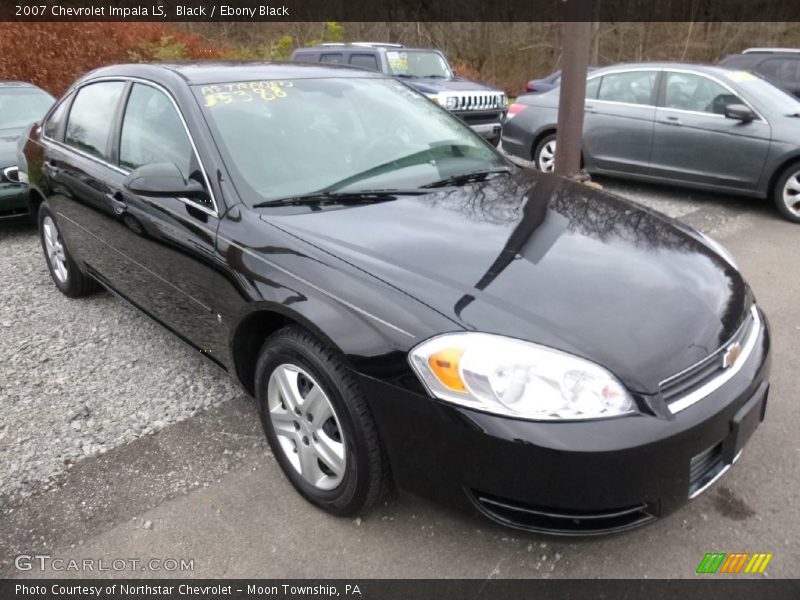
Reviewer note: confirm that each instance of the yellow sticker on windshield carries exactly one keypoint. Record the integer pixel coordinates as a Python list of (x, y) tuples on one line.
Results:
[(244, 91), (398, 61), (739, 76)]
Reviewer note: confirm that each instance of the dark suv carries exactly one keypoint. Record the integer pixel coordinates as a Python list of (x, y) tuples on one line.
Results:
[(483, 108), (779, 66)]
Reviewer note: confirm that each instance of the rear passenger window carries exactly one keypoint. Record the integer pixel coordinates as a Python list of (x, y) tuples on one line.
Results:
[(91, 117), (152, 132), (782, 70), (633, 87), (53, 125), (365, 61), (332, 58), (592, 86)]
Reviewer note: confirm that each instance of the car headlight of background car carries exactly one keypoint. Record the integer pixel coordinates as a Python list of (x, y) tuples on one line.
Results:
[(514, 378)]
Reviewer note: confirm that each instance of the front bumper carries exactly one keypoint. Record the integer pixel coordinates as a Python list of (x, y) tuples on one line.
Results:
[(570, 478), (13, 199)]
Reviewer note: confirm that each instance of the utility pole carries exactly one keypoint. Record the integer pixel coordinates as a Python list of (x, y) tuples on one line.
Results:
[(576, 46)]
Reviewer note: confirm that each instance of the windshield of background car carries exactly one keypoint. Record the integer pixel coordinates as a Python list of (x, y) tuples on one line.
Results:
[(763, 93), (287, 138), (21, 106), (403, 63)]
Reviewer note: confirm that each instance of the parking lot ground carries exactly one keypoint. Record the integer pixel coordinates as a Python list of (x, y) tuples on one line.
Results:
[(203, 486)]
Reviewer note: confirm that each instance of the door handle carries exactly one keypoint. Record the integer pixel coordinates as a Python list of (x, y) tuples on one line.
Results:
[(671, 121), (590, 109), (117, 202)]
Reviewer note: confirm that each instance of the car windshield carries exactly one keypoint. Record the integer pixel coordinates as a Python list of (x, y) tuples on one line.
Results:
[(21, 106), (764, 93), (416, 63), (283, 139)]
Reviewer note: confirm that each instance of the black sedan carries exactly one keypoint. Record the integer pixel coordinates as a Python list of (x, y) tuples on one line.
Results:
[(20, 105), (698, 126), (404, 304)]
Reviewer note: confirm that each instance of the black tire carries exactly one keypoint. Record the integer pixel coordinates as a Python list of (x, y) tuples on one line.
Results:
[(76, 283), (365, 479), (790, 209), (551, 137)]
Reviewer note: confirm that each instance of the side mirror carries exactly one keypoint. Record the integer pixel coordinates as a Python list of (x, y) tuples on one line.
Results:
[(740, 112), (162, 179)]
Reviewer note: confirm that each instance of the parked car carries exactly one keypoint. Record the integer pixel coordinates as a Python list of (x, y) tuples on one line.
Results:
[(480, 106), (545, 84), (20, 105), (692, 125), (402, 301), (780, 66)]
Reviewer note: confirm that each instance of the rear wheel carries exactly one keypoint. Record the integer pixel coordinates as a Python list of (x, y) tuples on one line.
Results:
[(787, 193), (544, 155), (63, 269), (318, 424)]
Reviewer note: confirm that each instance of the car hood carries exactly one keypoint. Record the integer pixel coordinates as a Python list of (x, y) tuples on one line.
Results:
[(547, 260), (433, 85), (8, 146)]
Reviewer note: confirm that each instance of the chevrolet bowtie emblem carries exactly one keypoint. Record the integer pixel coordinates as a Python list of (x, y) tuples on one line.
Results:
[(731, 355)]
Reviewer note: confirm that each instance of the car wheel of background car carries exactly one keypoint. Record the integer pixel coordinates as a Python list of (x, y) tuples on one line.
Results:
[(787, 193), (544, 157), (65, 273), (318, 424)]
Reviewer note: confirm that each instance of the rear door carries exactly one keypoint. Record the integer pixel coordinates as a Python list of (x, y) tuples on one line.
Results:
[(78, 164), (618, 124), (694, 142)]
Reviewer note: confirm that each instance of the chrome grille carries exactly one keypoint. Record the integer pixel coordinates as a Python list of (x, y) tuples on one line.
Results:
[(477, 100), (684, 389)]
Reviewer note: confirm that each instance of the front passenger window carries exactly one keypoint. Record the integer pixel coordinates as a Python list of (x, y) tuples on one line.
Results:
[(688, 91), (152, 132)]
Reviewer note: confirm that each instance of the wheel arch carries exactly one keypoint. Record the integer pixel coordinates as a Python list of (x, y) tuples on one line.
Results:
[(779, 170), (257, 325)]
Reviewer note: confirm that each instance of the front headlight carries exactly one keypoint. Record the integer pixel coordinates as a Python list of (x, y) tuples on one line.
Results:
[(434, 98), (720, 249), (450, 102), (503, 101), (519, 379)]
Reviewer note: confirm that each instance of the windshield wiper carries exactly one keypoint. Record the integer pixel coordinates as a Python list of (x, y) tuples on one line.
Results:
[(469, 177), (356, 197)]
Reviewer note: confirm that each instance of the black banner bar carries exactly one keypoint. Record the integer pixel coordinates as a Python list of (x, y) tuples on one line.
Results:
[(703, 588), (400, 10)]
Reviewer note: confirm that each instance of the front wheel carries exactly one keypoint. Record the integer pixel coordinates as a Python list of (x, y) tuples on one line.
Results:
[(544, 155), (318, 424), (787, 193)]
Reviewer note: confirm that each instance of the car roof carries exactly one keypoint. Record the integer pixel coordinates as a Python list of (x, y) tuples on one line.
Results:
[(699, 67), (17, 84), (209, 72)]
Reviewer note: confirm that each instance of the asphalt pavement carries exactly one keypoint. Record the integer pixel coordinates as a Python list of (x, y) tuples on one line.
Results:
[(201, 486)]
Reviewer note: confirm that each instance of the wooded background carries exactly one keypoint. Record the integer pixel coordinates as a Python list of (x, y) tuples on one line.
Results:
[(504, 54)]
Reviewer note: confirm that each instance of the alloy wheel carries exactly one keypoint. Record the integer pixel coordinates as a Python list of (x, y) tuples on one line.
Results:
[(791, 193), (547, 156), (55, 249), (306, 426)]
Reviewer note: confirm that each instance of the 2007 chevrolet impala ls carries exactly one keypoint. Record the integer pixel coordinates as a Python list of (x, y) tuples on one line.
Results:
[(404, 304)]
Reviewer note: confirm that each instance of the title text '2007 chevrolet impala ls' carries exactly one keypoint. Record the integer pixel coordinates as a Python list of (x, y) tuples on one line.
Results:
[(403, 303)]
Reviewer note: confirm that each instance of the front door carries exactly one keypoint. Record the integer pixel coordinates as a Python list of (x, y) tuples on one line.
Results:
[(694, 142)]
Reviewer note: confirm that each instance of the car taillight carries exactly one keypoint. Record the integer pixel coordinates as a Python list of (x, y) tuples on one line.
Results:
[(515, 109), (529, 87)]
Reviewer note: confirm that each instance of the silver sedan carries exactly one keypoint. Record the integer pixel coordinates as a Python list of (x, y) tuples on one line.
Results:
[(692, 125)]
